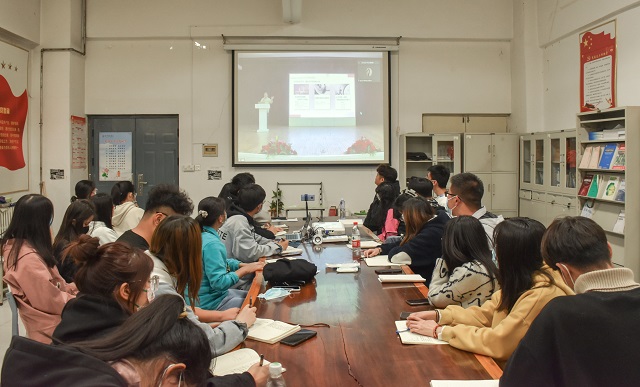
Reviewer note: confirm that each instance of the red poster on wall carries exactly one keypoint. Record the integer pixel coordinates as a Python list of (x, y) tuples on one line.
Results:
[(598, 68), (13, 114)]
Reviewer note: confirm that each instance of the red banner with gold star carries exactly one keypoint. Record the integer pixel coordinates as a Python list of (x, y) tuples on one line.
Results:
[(13, 114), (598, 68)]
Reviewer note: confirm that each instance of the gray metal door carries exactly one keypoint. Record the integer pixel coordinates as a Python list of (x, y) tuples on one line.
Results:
[(154, 145)]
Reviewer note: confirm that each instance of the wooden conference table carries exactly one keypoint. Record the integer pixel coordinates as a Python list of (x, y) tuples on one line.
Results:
[(360, 346)]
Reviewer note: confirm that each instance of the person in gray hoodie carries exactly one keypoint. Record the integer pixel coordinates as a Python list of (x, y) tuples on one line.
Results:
[(126, 214), (238, 232)]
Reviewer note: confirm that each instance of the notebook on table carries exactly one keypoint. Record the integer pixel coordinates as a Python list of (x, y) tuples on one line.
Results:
[(413, 338), (235, 362), (400, 278), (380, 261), (271, 331)]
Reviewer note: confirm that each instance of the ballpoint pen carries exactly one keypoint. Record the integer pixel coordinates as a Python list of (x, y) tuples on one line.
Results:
[(250, 302), (403, 330), (261, 360)]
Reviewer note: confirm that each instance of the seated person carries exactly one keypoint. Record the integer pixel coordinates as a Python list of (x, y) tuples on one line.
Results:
[(164, 200), (220, 272), (84, 189), (526, 286), (466, 274), (421, 245), (238, 232), (30, 267), (101, 226), (387, 176), (589, 339), (385, 193), (439, 176), (114, 282), (465, 198), (76, 222), (156, 346), (176, 251), (126, 213)]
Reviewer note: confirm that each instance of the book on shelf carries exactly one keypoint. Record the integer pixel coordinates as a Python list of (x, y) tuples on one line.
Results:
[(413, 338), (594, 188), (619, 225), (620, 194), (271, 331), (610, 188), (595, 157), (587, 210), (606, 159), (586, 183), (619, 159), (235, 362), (586, 157)]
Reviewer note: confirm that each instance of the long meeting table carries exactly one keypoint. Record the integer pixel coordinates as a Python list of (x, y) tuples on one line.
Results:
[(356, 344)]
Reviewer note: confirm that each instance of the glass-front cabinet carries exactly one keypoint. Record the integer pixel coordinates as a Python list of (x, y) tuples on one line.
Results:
[(419, 151), (562, 155), (532, 166)]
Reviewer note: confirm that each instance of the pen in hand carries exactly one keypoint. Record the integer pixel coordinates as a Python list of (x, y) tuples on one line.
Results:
[(261, 360), (250, 301), (403, 330)]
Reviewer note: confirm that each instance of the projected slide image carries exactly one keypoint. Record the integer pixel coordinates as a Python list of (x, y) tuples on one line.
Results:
[(329, 96)]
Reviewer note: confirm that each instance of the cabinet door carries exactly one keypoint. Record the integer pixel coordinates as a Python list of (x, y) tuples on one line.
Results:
[(446, 151), (477, 153), (487, 182), (504, 192), (539, 155), (526, 161), (568, 179), (486, 124), (555, 160), (415, 143), (505, 152), (443, 124)]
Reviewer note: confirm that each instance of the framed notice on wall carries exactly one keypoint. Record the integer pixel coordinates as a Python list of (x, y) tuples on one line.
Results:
[(14, 104), (598, 68), (78, 142), (115, 157)]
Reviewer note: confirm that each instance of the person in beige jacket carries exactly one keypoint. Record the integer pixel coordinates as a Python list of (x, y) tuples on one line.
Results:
[(527, 285), (126, 214), (30, 270)]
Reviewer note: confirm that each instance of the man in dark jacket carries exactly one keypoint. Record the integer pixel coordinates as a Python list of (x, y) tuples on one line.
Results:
[(376, 215)]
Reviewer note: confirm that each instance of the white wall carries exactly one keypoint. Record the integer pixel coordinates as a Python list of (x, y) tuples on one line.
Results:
[(20, 22), (141, 59)]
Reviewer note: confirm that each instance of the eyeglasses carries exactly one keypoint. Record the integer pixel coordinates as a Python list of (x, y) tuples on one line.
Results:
[(164, 382), (450, 194), (153, 288)]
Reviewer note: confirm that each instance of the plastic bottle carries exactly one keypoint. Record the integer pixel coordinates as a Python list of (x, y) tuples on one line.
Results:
[(342, 212), (275, 375), (355, 242)]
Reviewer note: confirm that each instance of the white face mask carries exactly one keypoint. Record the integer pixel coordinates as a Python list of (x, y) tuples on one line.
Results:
[(274, 293), (572, 285), (449, 209)]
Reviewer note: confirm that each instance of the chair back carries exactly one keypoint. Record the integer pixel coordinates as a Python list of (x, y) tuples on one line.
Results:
[(14, 314)]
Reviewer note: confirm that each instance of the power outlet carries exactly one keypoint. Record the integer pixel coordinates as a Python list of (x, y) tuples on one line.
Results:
[(188, 168), (197, 167)]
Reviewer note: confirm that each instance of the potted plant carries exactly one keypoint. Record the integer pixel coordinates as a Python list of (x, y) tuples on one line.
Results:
[(276, 205)]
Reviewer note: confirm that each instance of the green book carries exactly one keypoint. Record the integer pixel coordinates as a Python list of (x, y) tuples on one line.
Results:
[(594, 188)]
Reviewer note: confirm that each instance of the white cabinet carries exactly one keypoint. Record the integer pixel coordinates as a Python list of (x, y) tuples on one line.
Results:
[(464, 123), (444, 149), (532, 162)]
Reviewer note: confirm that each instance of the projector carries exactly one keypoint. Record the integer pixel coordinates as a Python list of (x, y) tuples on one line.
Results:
[(330, 228)]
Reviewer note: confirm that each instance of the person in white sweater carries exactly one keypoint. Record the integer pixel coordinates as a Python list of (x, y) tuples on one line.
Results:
[(126, 214), (101, 226), (466, 274)]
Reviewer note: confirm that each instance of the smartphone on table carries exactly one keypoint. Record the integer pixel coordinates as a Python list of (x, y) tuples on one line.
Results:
[(418, 301)]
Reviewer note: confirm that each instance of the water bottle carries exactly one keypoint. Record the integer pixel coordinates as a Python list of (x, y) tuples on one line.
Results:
[(275, 375), (342, 210), (355, 242)]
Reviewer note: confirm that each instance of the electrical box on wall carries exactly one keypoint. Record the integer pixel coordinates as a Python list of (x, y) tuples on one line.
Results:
[(209, 150)]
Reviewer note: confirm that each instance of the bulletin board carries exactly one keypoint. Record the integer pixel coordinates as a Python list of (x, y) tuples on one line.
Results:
[(14, 105)]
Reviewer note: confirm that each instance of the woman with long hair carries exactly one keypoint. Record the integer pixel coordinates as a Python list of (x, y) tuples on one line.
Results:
[(75, 222), (30, 267), (176, 250), (389, 216), (466, 274), (157, 346), (220, 272), (126, 214), (101, 226), (84, 189), (421, 245), (113, 282), (526, 285)]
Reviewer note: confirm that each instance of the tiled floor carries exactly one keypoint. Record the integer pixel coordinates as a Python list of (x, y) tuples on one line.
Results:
[(5, 328)]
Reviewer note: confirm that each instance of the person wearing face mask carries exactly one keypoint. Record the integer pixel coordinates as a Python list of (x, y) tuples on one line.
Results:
[(589, 339), (219, 272), (76, 222), (464, 197), (114, 282)]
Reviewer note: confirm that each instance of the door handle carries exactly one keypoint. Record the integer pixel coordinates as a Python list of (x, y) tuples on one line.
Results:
[(141, 184)]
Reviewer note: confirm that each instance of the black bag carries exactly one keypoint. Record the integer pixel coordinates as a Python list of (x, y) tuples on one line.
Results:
[(284, 270)]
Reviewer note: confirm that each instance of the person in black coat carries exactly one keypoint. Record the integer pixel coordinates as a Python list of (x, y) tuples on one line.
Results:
[(422, 243), (386, 176)]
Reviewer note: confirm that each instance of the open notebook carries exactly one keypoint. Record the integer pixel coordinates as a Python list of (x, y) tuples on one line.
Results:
[(235, 362), (291, 251), (400, 278), (271, 331), (379, 261), (414, 338)]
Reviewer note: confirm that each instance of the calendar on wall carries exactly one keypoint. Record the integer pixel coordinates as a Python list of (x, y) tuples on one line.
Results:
[(115, 156)]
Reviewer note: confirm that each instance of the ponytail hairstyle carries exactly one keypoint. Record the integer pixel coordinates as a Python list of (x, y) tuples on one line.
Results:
[(120, 191), (73, 222), (517, 244), (104, 208), (158, 334), (209, 210), (83, 190), (103, 269), (400, 200), (177, 241), (31, 226), (465, 240), (417, 212)]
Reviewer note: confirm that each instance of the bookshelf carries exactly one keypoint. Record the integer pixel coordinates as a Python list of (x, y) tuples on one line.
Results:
[(444, 149), (619, 127)]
